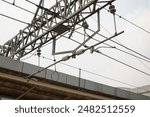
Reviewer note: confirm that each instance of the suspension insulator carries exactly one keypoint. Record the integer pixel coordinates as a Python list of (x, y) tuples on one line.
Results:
[(85, 25), (38, 52), (112, 9)]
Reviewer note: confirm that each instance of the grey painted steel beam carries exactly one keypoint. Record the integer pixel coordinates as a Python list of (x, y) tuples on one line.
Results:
[(52, 86)]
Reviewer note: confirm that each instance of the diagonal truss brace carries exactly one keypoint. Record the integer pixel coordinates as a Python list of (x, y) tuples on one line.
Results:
[(65, 14)]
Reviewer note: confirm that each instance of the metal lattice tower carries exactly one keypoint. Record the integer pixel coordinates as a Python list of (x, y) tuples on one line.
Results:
[(48, 24)]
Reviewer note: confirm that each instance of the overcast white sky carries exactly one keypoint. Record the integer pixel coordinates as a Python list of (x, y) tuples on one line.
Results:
[(137, 11)]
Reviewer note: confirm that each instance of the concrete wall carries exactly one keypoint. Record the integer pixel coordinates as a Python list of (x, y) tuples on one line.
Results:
[(18, 66)]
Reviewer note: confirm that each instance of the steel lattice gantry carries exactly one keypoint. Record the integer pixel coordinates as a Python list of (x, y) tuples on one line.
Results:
[(51, 23)]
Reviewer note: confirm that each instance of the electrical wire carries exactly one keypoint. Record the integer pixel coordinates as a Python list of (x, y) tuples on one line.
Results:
[(133, 24), (32, 54), (100, 53), (144, 64), (125, 19), (18, 6), (130, 49), (137, 57), (28, 23), (117, 48), (114, 48), (132, 54), (118, 43), (29, 76), (14, 19), (121, 61), (79, 32), (112, 79), (123, 46), (77, 53), (124, 63), (82, 70)]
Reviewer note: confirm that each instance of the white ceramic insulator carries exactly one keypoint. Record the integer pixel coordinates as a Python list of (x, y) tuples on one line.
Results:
[(79, 52), (65, 58)]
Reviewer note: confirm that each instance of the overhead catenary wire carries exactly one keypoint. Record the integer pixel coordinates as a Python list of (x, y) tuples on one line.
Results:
[(91, 30), (123, 63), (129, 53), (124, 45), (65, 58), (81, 52), (115, 48), (34, 13), (14, 19), (99, 75), (118, 48), (18, 7), (76, 31), (77, 53), (131, 50), (127, 64), (125, 19), (78, 68), (92, 73), (144, 64), (132, 54), (120, 61), (133, 24), (122, 51)]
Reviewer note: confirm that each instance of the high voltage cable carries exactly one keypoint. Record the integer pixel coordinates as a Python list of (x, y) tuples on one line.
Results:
[(124, 63), (76, 41), (67, 57), (14, 19), (125, 19), (133, 24), (98, 33), (88, 71), (18, 7), (29, 12), (78, 32), (89, 47), (92, 73), (90, 30), (98, 5), (82, 70), (124, 45), (130, 52), (144, 64), (77, 53), (130, 49), (116, 48)]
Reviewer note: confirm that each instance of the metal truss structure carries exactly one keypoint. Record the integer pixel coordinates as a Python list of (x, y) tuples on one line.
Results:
[(51, 23)]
